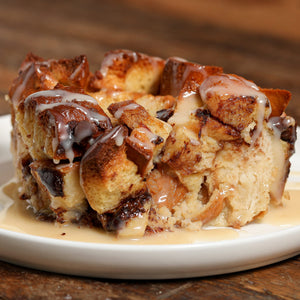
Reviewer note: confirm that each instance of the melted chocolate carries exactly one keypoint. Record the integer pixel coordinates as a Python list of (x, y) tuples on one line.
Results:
[(130, 207), (286, 129), (203, 115), (158, 140), (26, 161), (141, 159), (53, 181), (165, 114), (73, 117)]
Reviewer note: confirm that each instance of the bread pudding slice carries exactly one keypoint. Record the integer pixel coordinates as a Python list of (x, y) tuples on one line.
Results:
[(145, 145)]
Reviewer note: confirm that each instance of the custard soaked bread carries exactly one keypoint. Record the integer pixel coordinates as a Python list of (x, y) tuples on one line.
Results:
[(145, 145)]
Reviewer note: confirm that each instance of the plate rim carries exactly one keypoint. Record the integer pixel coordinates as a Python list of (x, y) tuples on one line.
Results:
[(205, 244), (145, 271)]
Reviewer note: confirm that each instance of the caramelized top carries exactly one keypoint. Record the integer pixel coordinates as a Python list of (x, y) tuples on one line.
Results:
[(37, 74)]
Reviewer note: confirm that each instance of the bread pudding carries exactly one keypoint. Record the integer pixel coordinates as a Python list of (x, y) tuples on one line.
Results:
[(145, 145)]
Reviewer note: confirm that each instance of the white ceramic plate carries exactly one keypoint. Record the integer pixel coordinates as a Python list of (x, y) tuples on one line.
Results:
[(260, 248)]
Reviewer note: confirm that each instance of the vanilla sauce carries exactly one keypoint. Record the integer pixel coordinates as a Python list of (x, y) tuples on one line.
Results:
[(14, 216)]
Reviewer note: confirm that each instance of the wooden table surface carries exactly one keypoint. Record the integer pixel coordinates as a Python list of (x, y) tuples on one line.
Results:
[(259, 40)]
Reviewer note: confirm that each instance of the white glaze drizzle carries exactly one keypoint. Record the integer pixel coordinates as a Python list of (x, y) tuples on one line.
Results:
[(286, 121), (116, 134), (120, 111), (274, 124), (65, 96), (62, 137), (143, 145), (111, 57), (187, 71), (151, 136), (19, 90), (184, 110), (228, 85), (178, 83), (77, 71), (148, 144), (31, 68)]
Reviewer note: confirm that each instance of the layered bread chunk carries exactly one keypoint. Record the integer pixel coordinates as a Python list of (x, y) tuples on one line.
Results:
[(145, 145)]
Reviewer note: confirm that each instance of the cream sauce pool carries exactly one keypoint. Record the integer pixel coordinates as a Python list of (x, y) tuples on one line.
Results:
[(14, 216)]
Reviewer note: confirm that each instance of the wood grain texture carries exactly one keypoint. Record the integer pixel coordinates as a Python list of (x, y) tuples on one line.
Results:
[(280, 281), (259, 40), (61, 29), (269, 17)]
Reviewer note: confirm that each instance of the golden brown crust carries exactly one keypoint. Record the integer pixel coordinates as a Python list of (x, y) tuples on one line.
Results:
[(234, 100), (140, 149), (279, 100), (37, 74), (107, 175), (214, 128), (181, 78), (135, 115), (60, 122), (148, 135), (131, 71)]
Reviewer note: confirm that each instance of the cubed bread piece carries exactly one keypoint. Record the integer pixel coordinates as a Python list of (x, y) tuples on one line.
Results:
[(37, 74), (247, 170), (130, 218), (279, 100), (181, 78), (137, 224), (135, 115), (107, 175), (235, 101), (106, 97), (186, 153), (148, 135), (60, 184), (59, 124), (161, 107), (131, 71), (141, 147), (214, 128)]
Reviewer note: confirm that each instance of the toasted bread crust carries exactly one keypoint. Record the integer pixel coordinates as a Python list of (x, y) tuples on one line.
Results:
[(131, 71)]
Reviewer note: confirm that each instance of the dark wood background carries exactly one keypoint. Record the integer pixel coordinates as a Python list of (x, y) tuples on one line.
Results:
[(259, 40)]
